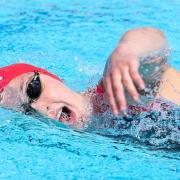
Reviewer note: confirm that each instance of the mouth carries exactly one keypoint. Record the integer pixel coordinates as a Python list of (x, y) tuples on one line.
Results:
[(66, 115)]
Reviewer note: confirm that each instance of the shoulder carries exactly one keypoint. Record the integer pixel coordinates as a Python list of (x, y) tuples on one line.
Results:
[(170, 85)]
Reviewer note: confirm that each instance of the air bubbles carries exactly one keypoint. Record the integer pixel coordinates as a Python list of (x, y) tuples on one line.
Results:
[(157, 68), (146, 70)]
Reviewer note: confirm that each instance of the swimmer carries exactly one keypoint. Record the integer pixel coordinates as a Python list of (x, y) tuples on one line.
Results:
[(138, 64)]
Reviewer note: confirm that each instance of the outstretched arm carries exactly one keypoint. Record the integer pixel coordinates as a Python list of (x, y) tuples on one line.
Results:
[(122, 68)]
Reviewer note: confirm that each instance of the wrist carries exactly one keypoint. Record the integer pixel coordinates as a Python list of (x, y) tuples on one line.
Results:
[(125, 50)]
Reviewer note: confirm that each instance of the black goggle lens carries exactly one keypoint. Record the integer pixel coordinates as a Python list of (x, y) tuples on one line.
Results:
[(34, 87)]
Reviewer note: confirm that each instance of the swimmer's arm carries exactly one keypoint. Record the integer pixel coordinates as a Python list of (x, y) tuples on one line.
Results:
[(122, 68)]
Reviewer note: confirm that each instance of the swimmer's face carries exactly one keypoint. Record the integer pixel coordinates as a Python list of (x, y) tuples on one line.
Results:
[(55, 100)]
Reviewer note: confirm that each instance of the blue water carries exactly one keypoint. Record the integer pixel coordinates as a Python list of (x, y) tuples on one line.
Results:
[(73, 39)]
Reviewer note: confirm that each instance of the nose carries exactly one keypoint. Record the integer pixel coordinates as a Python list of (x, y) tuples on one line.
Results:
[(51, 112), (45, 108)]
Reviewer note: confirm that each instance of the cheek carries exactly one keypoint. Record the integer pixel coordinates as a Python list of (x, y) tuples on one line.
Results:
[(52, 94)]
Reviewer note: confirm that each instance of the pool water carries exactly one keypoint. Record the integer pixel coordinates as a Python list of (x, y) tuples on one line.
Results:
[(73, 40)]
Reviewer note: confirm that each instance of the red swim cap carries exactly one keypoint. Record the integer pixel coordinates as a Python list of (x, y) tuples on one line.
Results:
[(10, 72)]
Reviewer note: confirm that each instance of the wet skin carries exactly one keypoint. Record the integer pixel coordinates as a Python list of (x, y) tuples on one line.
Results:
[(121, 75), (59, 102), (56, 100)]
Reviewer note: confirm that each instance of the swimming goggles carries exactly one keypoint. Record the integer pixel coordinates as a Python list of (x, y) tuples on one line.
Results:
[(34, 88)]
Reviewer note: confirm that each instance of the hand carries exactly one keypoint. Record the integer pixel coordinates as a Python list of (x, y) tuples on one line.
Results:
[(121, 73)]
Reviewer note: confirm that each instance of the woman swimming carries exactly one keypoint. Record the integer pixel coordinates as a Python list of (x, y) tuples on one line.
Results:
[(139, 59)]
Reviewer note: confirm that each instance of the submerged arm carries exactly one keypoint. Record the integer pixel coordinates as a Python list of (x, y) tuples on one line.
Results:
[(134, 62)]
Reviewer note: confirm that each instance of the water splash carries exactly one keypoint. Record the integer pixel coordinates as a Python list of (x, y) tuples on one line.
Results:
[(159, 129)]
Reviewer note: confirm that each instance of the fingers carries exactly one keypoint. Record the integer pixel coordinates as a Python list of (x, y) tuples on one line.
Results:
[(115, 92), (110, 96), (134, 73), (118, 90), (129, 85), (121, 76)]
